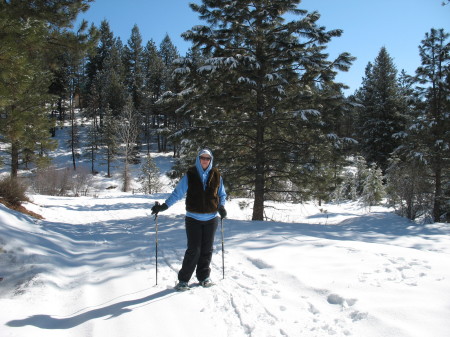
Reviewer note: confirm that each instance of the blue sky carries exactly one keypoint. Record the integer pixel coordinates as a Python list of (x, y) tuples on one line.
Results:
[(368, 25)]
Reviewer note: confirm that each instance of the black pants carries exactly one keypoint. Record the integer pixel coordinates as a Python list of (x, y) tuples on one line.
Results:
[(200, 241)]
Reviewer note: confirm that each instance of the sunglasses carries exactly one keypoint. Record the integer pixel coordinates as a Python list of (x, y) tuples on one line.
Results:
[(205, 158)]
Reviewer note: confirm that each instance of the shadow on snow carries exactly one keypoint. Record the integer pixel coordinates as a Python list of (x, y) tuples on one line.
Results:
[(110, 311)]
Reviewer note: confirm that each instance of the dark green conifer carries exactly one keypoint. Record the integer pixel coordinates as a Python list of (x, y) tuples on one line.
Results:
[(254, 97)]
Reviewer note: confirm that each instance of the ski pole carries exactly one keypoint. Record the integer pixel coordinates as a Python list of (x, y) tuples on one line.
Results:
[(223, 256), (156, 241)]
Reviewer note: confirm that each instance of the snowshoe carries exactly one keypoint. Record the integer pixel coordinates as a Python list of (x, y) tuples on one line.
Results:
[(182, 286), (206, 283)]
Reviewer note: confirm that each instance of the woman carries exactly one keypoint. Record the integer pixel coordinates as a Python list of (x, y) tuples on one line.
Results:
[(205, 197)]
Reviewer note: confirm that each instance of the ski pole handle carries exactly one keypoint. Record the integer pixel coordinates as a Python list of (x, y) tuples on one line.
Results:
[(156, 213)]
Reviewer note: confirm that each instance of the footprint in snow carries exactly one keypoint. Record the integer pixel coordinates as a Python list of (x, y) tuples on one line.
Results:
[(259, 263), (335, 299)]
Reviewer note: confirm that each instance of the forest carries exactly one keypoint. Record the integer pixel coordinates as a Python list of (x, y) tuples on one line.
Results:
[(256, 89)]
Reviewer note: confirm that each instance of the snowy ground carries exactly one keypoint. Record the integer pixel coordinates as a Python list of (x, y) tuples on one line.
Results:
[(88, 269)]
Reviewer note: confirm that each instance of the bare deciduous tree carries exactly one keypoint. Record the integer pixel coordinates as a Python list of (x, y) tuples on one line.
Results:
[(127, 132)]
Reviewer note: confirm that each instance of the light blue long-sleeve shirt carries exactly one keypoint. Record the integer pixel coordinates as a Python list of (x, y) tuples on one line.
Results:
[(180, 191)]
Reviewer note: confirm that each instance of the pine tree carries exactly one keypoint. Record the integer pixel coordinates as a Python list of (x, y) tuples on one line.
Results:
[(382, 115), (253, 98), (25, 76), (168, 120), (134, 70), (168, 53), (373, 189), (24, 121), (153, 88), (96, 105), (110, 82), (150, 177), (407, 187), (337, 113), (96, 60), (429, 136), (74, 90)]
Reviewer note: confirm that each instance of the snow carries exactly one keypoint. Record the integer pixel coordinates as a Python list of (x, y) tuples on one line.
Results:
[(303, 113), (246, 80), (207, 68), (88, 269), (182, 71)]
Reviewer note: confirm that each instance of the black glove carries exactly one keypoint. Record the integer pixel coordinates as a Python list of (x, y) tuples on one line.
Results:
[(222, 211), (159, 208)]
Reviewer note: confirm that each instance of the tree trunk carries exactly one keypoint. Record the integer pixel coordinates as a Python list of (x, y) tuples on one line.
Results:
[(409, 208), (147, 131), (72, 140), (92, 159), (126, 178), (109, 163), (258, 205), (437, 194), (72, 131), (14, 159)]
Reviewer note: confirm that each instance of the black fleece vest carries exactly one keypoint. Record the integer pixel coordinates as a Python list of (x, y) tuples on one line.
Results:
[(199, 200)]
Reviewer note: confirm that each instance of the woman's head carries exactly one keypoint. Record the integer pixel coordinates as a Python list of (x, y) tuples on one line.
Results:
[(205, 157)]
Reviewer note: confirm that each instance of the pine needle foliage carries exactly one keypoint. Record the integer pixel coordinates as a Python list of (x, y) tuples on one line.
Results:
[(252, 91)]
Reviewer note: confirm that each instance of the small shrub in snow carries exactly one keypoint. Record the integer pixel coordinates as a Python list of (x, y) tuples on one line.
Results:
[(81, 181), (149, 177), (12, 191), (51, 181)]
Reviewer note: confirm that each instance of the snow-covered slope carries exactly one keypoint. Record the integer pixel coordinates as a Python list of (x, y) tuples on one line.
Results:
[(88, 269)]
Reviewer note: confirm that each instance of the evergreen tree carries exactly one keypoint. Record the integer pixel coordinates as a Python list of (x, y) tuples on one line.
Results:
[(110, 82), (167, 121), (429, 135), (168, 53), (96, 60), (106, 79), (32, 34), (347, 189), (153, 88), (149, 177), (254, 99), (134, 71), (409, 99), (354, 178), (407, 187), (75, 82), (96, 105), (373, 189), (382, 114), (360, 174), (154, 69), (336, 117)]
